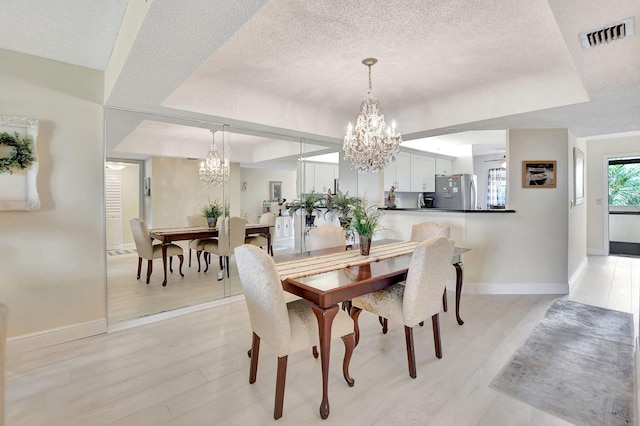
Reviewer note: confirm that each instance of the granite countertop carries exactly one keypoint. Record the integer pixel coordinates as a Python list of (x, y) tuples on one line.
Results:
[(426, 210)]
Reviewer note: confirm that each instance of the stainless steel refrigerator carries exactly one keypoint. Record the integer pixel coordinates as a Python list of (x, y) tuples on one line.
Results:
[(456, 192)]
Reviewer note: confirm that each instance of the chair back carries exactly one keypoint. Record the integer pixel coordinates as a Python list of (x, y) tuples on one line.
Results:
[(425, 230), (231, 234), (426, 279), (325, 236), (269, 218), (196, 220), (142, 238), (265, 297)]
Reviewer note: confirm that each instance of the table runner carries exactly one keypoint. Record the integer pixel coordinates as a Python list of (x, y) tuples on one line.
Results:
[(331, 262)]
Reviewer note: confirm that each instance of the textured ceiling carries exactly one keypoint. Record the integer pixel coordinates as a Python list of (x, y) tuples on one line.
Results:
[(292, 68)]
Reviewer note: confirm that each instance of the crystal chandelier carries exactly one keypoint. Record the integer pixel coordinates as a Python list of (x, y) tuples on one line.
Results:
[(213, 170), (371, 145)]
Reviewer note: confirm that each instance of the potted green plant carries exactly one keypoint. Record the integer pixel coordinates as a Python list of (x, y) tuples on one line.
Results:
[(212, 211), (342, 205), (309, 203), (365, 222)]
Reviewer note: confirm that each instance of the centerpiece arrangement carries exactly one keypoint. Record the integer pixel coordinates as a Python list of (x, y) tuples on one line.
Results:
[(365, 221), (342, 205), (212, 211)]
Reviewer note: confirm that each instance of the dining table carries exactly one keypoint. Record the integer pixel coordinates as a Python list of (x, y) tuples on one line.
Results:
[(168, 235), (331, 276)]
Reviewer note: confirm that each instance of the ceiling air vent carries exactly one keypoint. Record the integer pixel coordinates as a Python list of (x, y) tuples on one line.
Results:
[(605, 35)]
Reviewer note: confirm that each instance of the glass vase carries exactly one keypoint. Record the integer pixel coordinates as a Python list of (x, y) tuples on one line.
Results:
[(365, 245)]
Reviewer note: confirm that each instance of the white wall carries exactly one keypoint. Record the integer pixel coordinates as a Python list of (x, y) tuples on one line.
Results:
[(53, 259), (130, 200), (577, 241), (597, 153), (258, 189)]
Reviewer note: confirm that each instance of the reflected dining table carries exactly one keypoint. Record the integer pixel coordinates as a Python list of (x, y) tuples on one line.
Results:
[(168, 235), (331, 276)]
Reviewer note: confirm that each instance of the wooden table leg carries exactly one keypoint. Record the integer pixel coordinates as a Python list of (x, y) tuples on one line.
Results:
[(164, 263), (459, 277), (325, 319)]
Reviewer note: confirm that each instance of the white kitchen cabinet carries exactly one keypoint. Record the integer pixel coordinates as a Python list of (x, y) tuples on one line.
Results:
[(319, 177), (444, 166), (423, 170), (398, 174), (283, 227)]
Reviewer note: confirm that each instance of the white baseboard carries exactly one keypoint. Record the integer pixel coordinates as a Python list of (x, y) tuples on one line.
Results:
[(576, 274), (515, 288), (172, 314), (42, 339), (597, 252)]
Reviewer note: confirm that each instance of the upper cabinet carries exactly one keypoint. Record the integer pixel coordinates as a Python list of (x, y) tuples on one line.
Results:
[(423, 172), (444, 167), (319, 177), (411, 173), (398, 174)]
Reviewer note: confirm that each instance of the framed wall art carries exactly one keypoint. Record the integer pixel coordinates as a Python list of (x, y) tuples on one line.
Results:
[(539, 174), (275, 190), (578, 176), (18, 163)]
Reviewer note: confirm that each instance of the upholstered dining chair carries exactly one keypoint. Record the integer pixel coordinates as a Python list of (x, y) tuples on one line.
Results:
[(147, 250), (415, 300), (231, 234), (286, 328), (198, 244), (420, 232), (325, 236), (268, 218)]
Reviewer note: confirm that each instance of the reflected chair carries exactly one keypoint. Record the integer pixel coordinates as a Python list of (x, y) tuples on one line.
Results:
[(231, 234), (260, 240), (147, 250), (325, 236), (195, 220), (286, 328), (415, 300)]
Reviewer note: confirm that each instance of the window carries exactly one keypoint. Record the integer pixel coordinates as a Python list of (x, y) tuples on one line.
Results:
[(496, 188), (624, 182)]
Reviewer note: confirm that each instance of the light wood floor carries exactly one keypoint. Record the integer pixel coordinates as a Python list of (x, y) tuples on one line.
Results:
[(193, 370)]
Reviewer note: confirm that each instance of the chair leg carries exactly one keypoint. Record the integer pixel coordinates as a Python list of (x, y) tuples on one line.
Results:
[(384, 323), (444, 300), (355, 313), (198, 256), (314, 351), (181, 257), (349, 343), (411, 355), (253, 353), (190, 259), (280, 381), (149, 269), (139, 267), (226, 261), (435, 322), (221, 265), (206, 264), (171, 264)]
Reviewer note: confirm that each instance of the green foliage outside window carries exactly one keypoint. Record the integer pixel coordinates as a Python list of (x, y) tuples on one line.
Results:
[(624, 185)]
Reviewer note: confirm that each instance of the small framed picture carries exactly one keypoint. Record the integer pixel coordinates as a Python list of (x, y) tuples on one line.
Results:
[(539, 174), (275, 190)]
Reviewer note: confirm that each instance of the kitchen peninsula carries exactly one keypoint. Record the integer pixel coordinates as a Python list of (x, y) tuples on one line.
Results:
[(501, 259)]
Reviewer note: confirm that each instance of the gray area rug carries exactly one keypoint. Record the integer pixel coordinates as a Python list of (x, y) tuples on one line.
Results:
[(577, 364)]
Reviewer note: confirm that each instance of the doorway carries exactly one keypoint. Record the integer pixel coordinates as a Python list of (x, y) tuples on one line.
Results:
[(623, 176)]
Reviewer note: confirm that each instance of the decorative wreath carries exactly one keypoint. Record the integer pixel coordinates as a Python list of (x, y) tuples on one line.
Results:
[(21, 155)]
